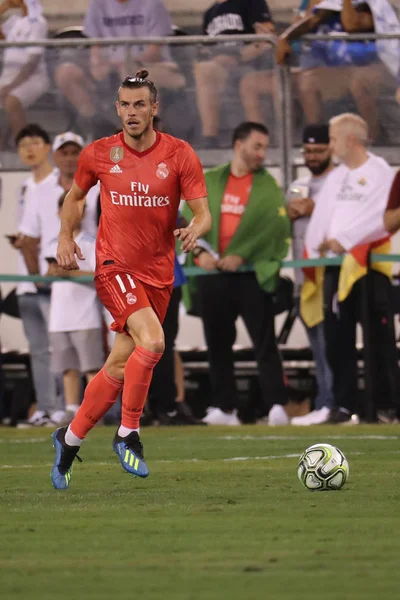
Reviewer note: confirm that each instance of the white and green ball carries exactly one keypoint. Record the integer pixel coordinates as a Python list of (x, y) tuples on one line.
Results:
[(323, 467)]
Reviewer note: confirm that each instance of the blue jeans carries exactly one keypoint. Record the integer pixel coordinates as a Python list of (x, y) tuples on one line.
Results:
[(323, 371), (34, 311)]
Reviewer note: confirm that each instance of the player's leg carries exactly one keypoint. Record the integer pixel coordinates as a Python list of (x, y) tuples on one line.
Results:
[(146, 332), (100, 395)]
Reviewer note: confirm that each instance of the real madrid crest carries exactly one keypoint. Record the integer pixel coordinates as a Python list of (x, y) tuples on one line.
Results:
[(162, 171), (116, 154)]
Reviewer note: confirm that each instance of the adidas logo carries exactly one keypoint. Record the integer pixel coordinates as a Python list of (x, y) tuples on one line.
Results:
[(116, 169)]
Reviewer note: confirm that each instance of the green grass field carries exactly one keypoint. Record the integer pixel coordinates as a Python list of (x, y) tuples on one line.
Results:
[(222, 516)]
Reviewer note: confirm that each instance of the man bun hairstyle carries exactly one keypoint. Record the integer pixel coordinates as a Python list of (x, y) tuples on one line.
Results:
[(138, 81)]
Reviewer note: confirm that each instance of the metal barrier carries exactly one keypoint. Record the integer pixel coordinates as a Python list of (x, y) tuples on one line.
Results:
[(56, 114), (178, 100)]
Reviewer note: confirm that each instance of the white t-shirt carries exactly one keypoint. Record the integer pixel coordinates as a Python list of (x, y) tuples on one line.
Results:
[(22, 29), (75, 306), (26, 195), (360, 197), (89, 221), (131, 19), (40, 219), (303, 187)]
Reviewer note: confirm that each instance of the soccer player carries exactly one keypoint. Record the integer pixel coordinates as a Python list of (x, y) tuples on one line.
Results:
[(143, 174)]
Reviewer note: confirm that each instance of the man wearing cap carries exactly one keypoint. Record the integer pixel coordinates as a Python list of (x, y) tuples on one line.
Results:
[(40, 223), (301, 198)]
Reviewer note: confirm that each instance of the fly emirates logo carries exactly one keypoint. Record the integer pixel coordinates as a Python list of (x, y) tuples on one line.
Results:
[(139, 196)]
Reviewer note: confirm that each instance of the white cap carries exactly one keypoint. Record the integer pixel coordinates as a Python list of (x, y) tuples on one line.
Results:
[(67, 138)]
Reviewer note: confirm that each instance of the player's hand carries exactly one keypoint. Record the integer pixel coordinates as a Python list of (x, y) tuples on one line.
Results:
[(66, 251), (206, 261), (230, 263), (282, 51), (188, 237)]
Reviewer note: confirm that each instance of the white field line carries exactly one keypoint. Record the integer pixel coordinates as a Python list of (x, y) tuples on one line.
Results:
[(26, 441), (187, 460), (296, 438), (266, 438)]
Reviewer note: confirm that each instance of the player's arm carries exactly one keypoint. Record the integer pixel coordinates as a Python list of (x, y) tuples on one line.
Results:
[(198, 226), (71, 215)]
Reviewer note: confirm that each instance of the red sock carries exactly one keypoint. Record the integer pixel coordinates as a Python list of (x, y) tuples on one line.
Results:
[(100, 395), (138, 374)]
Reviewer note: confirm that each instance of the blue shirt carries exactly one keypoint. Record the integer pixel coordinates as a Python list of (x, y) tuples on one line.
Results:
[(179, 275), (336, 53)]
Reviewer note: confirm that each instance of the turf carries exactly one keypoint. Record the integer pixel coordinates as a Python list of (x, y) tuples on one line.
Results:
[(201, 527)]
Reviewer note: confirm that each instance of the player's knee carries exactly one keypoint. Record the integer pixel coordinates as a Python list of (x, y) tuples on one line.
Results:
[(153, 343), (115, 368)]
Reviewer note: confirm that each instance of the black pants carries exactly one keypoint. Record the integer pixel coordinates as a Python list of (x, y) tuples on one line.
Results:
[(163, 388), (222, 298), (340, 335)]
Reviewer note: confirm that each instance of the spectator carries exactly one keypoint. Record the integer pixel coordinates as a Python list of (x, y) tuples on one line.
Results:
[(349, 222), (357, 65), (40, 223), (216, 63), (33, 144), (255, 85), (24, 76), (302, 196), (75, 322), (165, 404), (117, 19), (250, 226)]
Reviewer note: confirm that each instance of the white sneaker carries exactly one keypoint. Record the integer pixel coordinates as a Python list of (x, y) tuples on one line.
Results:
[(215, 416), (38, 419), (277, 416), (58, 417), (315, 417)]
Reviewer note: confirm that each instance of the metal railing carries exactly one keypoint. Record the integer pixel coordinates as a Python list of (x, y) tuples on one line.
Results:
[(284, 122)]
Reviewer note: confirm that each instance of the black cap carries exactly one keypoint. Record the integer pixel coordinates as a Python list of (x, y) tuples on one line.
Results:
[(316, 134)]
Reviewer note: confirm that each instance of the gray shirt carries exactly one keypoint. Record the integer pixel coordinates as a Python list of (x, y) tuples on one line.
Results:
[(135, 18), (304, 187)]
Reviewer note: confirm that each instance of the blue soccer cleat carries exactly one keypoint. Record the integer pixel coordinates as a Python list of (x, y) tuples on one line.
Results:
[(65, 455), (130, 452)]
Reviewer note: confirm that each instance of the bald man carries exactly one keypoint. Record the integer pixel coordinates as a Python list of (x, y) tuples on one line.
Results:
[(355, 197)]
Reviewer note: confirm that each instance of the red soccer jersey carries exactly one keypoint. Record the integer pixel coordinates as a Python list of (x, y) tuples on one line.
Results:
[(140, 195)]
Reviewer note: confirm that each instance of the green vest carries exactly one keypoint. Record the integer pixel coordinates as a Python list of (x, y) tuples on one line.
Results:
[(263, 235)]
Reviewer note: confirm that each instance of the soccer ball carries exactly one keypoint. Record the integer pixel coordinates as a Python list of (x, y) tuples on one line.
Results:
[(323, 467)]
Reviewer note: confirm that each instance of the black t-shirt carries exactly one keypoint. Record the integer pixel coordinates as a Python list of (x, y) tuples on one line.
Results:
[(235, 17)]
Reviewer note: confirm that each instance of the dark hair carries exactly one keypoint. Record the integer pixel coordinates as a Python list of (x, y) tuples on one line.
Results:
[(140, 80), (32, 130), (242, 131)]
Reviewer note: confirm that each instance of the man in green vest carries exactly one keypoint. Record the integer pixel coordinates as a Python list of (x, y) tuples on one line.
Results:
[(250, 228)]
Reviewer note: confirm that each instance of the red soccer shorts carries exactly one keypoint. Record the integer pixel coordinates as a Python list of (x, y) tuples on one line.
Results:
[(122, 295)]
